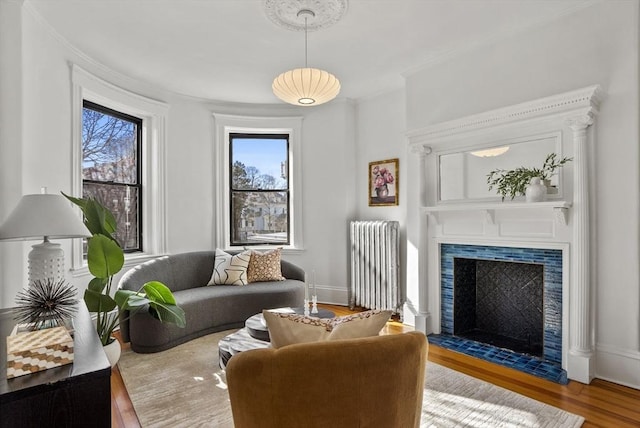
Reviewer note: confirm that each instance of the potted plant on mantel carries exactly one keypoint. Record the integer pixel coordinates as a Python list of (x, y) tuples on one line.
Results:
[(514, 182), (105, 258)]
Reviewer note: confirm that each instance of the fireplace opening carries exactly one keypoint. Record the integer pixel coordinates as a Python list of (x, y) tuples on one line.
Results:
[(500, 303)]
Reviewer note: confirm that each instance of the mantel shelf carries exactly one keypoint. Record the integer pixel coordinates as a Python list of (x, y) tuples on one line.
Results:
[(560, 208)]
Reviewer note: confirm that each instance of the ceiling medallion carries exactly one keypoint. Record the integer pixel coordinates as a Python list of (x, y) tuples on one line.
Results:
[(284, 13), (305, 86)]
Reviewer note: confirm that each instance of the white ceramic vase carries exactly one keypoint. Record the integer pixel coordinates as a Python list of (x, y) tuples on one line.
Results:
[(535, 191), (113, 351)]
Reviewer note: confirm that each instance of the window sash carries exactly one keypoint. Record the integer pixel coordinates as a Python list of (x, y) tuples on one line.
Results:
[(239, 233), (106, 184)]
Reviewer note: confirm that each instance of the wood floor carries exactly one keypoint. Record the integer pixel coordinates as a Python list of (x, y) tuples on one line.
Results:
[(602, 404)]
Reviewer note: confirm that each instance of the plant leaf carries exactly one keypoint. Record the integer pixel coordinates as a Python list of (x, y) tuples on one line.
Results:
[(98, 302), (127, 299), (98, 219), (98, 284), (168, 313), (77, 201), (104, 256), (110, 224), (158, 292)]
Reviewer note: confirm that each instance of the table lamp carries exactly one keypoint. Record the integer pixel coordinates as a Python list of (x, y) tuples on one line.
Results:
[(43, 216)]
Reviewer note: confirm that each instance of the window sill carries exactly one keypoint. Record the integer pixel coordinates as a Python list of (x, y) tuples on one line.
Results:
[(285, 249), (130, 261)]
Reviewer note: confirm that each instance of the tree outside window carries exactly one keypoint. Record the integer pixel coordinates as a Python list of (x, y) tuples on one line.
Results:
[(259, 188), (111, 168)]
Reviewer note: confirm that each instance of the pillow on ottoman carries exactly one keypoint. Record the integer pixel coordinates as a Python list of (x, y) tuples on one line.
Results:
[(287, 329), (228, 269)]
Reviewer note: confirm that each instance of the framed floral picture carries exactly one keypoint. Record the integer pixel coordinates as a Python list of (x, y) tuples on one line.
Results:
[(383, 183)]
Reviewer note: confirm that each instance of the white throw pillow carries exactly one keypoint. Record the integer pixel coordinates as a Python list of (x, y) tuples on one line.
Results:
[(228, 269), (288, 329)]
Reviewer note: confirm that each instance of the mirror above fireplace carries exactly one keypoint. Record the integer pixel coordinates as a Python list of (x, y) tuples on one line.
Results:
[(463, 174)]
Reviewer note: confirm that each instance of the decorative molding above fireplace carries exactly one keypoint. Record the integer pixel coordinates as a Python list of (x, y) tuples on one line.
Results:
[(560, 223), (557, 209), (579, 103)]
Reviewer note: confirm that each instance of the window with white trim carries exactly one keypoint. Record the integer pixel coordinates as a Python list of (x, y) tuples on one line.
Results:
[(113, 172), (258, 182)]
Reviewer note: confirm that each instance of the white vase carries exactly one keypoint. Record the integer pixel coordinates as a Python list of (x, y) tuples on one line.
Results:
[(113, 351), (536, 191)]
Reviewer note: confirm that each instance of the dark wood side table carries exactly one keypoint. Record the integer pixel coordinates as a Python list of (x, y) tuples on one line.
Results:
[(74, 395)]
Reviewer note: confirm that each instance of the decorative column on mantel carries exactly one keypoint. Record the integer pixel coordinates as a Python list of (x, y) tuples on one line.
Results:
[(423, 318), (582, 367)]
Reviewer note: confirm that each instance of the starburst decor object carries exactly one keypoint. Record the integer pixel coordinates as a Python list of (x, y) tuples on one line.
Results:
[(46, 303)]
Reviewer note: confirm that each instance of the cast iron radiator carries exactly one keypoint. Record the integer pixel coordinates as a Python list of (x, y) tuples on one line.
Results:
[(375, 266)]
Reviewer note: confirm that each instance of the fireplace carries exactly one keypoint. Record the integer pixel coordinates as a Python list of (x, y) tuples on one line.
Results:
[(485, 324), (499, 303), (555, 234), (549, 259)]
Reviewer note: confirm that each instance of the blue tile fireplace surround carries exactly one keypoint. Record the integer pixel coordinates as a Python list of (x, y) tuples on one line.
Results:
[(535, 277)]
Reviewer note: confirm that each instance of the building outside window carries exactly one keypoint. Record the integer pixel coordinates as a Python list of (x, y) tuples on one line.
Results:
[(259, 189), (112, 168)]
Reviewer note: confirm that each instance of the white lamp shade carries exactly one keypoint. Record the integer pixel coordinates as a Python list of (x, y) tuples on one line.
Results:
[(37, 216), (306, 86)]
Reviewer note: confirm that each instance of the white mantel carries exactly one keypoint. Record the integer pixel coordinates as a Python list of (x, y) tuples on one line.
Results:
[(562, 223)]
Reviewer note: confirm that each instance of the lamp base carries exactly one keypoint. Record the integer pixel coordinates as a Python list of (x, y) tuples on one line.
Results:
[(46, 260)]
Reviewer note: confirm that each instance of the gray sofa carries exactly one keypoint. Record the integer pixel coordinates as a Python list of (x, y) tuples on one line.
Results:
[(208, 308)]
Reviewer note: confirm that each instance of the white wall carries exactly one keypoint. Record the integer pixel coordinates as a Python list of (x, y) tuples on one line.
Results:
[(597, 45), (190, 174), (381, 131), (328, 149), (10, 137), (36, 151)]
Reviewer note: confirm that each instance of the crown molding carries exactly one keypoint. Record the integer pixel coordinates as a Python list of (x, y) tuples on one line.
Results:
[(580, 102)]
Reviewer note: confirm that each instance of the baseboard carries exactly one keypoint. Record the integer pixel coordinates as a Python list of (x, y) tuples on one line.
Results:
[(333, 295), (618, 365)]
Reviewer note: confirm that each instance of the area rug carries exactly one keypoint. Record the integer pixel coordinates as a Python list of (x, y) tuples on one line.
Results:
[(184, 387)]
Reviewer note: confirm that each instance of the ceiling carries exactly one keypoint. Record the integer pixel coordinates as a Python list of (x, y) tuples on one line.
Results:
[(229, 50)]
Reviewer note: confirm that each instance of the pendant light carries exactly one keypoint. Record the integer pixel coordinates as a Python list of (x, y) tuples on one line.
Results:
[(306, 86)]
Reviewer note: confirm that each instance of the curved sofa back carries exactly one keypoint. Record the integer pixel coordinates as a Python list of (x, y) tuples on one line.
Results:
[(183, 271)]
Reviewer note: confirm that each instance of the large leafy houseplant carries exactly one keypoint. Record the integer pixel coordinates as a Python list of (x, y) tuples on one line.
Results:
[(514, 182), (105, 258)]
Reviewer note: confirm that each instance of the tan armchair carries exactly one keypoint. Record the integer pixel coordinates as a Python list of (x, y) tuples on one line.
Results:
[(367, 382)]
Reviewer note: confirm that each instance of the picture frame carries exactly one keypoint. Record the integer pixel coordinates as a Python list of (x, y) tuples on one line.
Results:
[(383, 183)]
